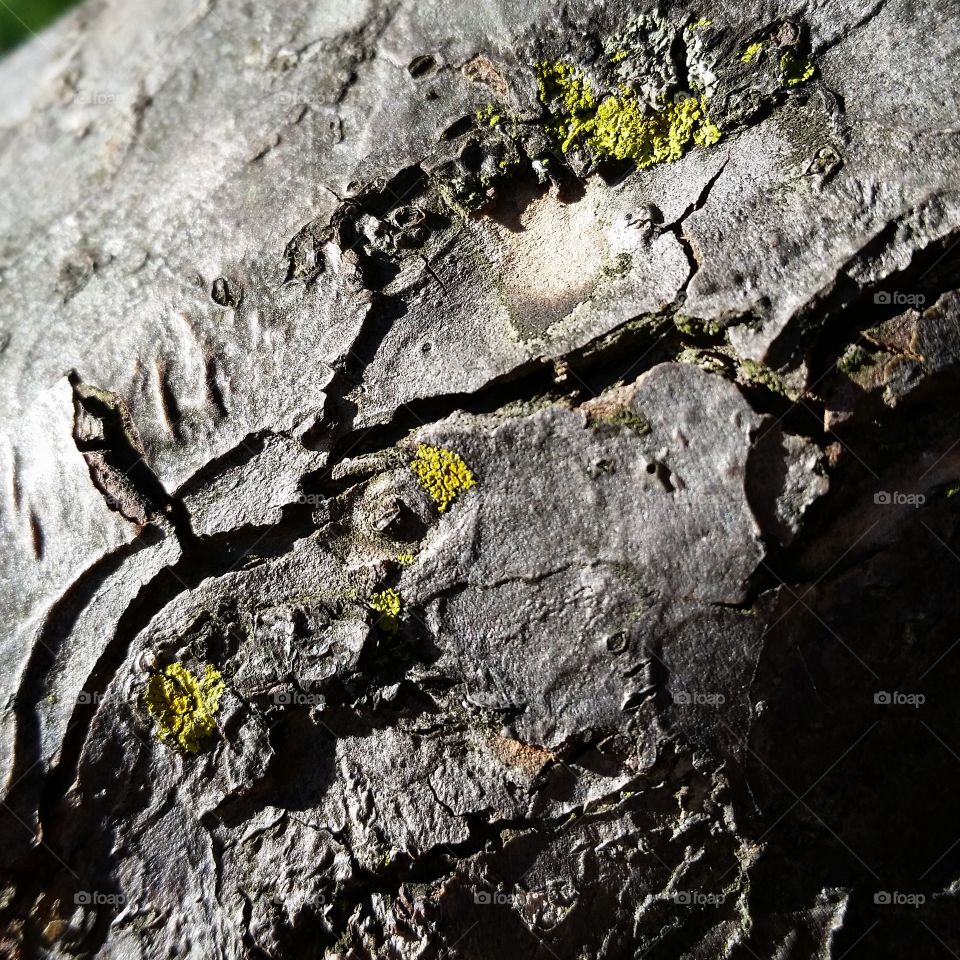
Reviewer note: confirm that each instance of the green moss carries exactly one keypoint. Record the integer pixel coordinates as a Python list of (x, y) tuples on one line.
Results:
[(953, 489), (762, 375), (629, 420), (617, 126), (853, 359), (184, 705), (388, 604), (751, 53), (442, 473), (702, 358), (795, 69), (695, 327)]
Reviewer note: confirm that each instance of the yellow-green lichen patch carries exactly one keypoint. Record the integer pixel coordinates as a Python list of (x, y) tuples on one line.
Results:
[(701, 24), (184, 705), (490, 115), (621, 130), (388, 604), (405, 559), (619, 126), (442, 473), (564, 84), (752, 52), (795, 69)]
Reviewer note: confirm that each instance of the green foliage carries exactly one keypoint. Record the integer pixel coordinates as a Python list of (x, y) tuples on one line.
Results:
[(20, 19)]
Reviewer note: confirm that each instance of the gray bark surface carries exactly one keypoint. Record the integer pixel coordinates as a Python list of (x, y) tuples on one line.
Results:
[(675, 678)]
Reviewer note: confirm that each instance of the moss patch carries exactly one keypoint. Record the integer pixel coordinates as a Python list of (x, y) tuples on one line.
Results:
[(628, 420), (854, 358), (762, 375)]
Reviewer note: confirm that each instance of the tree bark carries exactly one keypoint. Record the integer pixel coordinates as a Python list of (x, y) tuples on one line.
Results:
[(479, 481)]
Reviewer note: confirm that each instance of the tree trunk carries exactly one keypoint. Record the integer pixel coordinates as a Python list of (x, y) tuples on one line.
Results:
[(478, 481)]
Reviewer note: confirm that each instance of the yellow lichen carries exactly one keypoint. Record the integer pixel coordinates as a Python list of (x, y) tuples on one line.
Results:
[(751, 53), (442, 473), (388, 604), (795, 69), (559, 81), (490, 115), (405, 559), (618, 126), (621, 130), (184, 705), (700, 24)]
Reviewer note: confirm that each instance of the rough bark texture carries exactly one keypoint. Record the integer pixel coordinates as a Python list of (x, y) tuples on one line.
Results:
[(676, 676)]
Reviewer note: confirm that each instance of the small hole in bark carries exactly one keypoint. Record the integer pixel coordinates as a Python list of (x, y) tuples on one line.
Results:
[(222, 294), (421, 66)]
